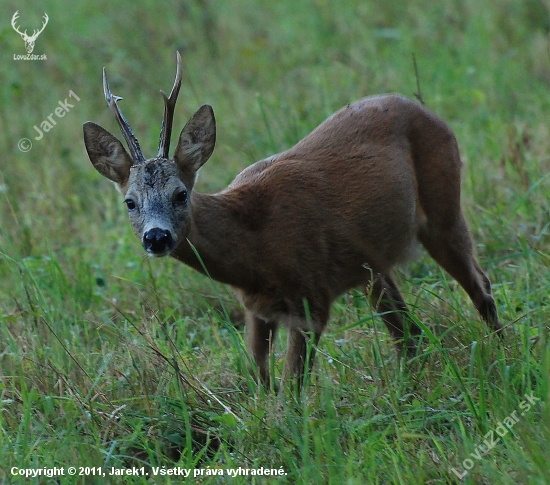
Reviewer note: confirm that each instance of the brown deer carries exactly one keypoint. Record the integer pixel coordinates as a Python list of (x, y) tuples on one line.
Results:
[(338, 210)]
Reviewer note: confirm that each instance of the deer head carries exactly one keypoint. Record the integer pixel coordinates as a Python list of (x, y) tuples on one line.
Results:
[(29, 40), (157, 191)]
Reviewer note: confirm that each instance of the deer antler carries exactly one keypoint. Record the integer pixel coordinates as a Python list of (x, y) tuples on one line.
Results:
[(169, 107), (13, 19), (131, 140)]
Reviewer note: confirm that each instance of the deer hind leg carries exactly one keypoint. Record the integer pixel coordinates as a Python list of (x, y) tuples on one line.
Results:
[(261, 335), (386, 298), (452, 248)]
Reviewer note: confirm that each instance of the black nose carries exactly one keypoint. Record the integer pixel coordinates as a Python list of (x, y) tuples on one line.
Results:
[(157, 241)]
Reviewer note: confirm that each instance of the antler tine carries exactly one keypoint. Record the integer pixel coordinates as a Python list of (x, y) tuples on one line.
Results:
[(131, 140), (169, 107)]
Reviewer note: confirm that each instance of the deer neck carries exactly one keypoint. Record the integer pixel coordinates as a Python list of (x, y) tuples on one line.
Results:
[(215, 237)]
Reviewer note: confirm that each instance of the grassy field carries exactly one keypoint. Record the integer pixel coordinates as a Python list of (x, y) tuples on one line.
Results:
[(112, 360)]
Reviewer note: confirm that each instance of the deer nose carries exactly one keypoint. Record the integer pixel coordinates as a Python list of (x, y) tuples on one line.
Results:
[(157, 241)]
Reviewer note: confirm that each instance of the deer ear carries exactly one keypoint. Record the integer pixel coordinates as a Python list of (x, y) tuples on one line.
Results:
[(106, 153), (196, 144)]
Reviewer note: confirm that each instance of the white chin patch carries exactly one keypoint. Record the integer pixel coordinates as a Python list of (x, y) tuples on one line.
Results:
[(152, 254)]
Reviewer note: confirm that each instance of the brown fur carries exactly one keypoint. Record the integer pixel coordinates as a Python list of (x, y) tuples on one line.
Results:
[(338, 210)]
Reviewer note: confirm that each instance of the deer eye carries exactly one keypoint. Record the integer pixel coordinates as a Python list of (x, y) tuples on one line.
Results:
[(181, 197), (130, 204)]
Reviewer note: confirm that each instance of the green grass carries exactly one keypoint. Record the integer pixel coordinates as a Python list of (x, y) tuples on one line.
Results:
[(109, 359)]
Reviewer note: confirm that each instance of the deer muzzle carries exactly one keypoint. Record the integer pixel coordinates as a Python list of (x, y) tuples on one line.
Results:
[(158, 242)]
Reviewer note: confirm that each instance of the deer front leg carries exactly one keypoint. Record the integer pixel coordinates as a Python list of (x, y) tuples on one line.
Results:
[(260, 337), (297, 356)]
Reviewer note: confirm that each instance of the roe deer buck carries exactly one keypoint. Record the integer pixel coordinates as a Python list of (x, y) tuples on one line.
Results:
[(293, 231)]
